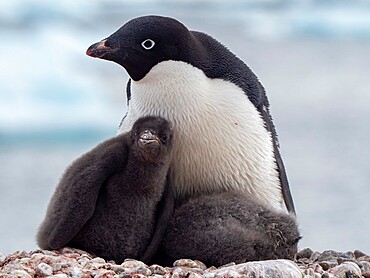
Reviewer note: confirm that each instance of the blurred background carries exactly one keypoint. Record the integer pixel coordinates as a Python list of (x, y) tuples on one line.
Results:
[(313, 57)]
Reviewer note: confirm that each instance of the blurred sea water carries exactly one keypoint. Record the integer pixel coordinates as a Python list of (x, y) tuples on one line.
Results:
[(313, 57)]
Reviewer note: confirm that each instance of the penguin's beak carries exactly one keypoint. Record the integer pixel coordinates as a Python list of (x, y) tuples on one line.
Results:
[(100, 50), (148, 137)]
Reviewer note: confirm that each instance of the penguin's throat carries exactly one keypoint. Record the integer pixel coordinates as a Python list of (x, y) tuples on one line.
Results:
[(220, 142)]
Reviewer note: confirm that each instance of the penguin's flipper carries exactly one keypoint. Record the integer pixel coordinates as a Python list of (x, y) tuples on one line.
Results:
[(74, 199), (287, 196), (164, 213)]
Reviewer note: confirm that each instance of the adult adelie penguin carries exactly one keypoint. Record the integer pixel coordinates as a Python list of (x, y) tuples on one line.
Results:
[(192, 80)]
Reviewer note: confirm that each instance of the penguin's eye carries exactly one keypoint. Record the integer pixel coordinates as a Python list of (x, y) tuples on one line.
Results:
[(164, 139), (148, 44)]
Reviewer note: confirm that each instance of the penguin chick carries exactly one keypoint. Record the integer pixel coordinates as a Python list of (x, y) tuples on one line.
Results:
[(210, 95), (228, 227), (106, 202)]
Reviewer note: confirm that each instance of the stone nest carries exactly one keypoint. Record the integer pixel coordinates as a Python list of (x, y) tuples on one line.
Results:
[(75, 263)]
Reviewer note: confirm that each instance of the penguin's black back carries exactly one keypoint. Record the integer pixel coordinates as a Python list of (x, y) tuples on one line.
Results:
[(221, 63)]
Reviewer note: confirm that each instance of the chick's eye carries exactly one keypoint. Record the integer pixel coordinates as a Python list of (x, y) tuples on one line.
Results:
[(164, 138), (148, 44)]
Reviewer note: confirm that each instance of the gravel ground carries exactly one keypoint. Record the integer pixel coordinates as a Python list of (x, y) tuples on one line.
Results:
[(79, 264)]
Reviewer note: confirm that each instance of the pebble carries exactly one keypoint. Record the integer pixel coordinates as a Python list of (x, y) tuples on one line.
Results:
[(83, 261), (186, 263), (229, 264), (227, 273), (346, 270), (358, 254), (328, 264), (364, 265), (328, 255), (270, 268), (75, 272), (157, 269), (133, 263), (21, 274), (43, 269), (333, 264), (105, 274), (61, 275), (308, 273), (2, 259), (364, 258), (305, 253), (366, 274), (134, 267), (74, 263), (200, 265), (98, 260)]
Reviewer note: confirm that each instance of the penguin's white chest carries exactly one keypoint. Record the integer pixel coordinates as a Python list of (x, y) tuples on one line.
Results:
[(220, 142)]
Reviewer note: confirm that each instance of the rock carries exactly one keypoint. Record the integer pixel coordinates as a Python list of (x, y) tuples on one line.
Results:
[(304, 253), (37, 256), (2, 259), (135, 271), (328, 264), (210, 269), (364, 258), (271, 268), (342, 260), (181, 271), (364, 266), (75, 272), (98, 260), (130, 263), (200, 265), (194, 275), (44, 269), (229, 264), (157, 269), (156, 276), (350, 255), (186, 263), (315, 256), (328, 255), (133, 267), (83, 261), (358, 254), (346, 270), (310, 273), (76, 263), (117, 268), (317, 268), (366, 274), (230, 273), (105, 274), (328, 275), (21, 274)]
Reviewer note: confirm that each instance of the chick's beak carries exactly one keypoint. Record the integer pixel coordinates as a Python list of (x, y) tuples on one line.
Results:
[(148, 137)]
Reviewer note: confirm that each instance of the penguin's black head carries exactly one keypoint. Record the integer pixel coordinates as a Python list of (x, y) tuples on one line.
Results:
[(144, 42), (152, 137)]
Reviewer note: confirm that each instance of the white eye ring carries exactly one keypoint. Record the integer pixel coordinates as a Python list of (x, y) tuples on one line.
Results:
[(148, 44)]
